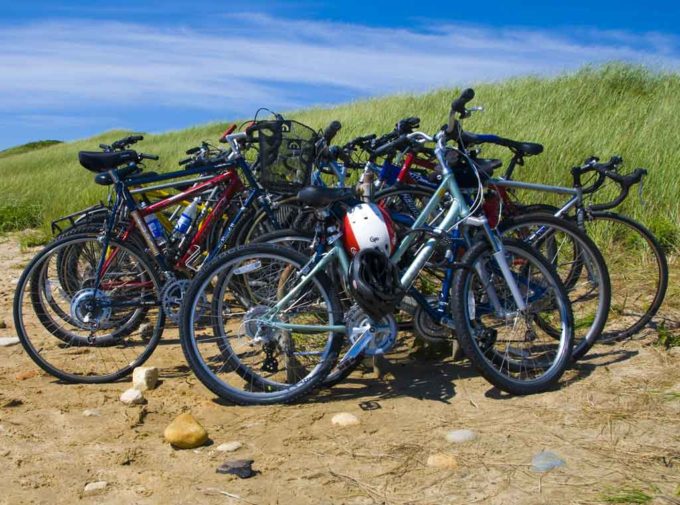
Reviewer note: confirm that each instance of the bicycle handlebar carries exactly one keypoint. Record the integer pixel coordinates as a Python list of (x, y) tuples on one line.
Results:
[(331, 131), (126, 142), (458, 106), (608, 170)]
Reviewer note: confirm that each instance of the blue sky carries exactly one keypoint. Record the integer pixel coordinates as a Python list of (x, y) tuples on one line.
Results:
[(73, 69)]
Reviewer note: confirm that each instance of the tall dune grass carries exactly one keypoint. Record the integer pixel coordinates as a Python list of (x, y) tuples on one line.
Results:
[(615, 109)]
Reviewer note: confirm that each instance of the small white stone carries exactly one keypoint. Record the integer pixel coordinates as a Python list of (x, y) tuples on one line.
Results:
[(91, 413), (8, 341), (229, 446), (132, 397), (146, 330), (93, 487), (460, 436), (345, 419), (145, 378)]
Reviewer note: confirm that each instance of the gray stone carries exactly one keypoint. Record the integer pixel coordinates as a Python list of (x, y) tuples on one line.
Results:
[(242, 468), (545, 461), (132, 397), (460, 436), (91, 413), (8, 341), (229, 446), (94, 487)]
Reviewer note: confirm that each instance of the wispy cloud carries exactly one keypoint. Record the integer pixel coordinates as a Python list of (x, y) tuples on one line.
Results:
[(76, 65)]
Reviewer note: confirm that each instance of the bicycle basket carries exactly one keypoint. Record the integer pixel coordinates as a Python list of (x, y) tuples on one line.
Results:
[(286, 154)]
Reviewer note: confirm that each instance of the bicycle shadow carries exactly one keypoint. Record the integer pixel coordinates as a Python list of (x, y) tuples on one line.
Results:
[(579, 371), (421, 379)]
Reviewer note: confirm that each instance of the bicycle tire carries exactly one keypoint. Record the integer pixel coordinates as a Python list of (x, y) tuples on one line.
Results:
[(198, 364), (462, 309), (36, 352), (584, 250)]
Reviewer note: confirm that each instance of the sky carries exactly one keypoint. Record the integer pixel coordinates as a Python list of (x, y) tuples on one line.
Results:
[(69, 70)]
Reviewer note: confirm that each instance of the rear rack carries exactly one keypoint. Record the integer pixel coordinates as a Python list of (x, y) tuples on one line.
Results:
[(71, 219)]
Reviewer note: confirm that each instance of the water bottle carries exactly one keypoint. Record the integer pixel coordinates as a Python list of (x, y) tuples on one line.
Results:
[(155, 226), (184, 222)]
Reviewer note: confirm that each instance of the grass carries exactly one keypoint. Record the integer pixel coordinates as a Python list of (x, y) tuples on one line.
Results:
[(666, 337), (615, 109), (26, 148), (627, 496)]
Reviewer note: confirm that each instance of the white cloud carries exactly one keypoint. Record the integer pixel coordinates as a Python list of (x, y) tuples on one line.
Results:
[(260, 60)]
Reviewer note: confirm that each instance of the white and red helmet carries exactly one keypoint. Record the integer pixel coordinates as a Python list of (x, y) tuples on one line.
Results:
[(368, 226)]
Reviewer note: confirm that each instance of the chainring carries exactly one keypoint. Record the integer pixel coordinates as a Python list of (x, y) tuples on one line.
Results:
[(172, 295), (385, 331)]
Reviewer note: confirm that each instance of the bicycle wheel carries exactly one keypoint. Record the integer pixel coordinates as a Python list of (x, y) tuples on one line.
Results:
[(235, 350), (580, 265), (81, 334), (638, 268), (256, 221), (507, 346)]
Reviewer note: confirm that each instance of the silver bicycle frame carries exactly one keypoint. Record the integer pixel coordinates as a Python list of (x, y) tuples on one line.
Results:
[(576, 193), (458, 211)]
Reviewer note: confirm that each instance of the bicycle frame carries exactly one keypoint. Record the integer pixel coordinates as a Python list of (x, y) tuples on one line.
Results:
[(457, 212), (125, 197)]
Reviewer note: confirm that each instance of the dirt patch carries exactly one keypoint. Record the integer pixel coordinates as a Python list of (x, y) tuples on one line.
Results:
[(614, 423)]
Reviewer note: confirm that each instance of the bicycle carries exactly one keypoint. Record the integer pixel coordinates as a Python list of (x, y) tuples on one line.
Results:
[(271, 324), (101, 293)]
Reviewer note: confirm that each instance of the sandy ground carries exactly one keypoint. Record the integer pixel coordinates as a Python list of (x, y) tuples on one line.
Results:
[(614, 422)]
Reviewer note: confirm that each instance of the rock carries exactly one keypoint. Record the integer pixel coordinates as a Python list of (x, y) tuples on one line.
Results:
[(91, 413), (546, 460), (145, 378), (8, 341), (185, 432), (229, 446), (132, 397), (146, 330), (460, 436), (242, 468), (3, 324), (345, 419), (12, 402), (28, 374), (94, 487), (444, 461)]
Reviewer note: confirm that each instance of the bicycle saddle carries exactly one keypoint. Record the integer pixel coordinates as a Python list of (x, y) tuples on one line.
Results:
[(97, 162), (317, 196)]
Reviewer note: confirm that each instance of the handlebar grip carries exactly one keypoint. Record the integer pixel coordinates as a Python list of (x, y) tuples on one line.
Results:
[(143, 156), (193, 150), (185, 161), (135, 138), (331, 131), (407, 125), (228, 131), (458, 105), (390, 146)]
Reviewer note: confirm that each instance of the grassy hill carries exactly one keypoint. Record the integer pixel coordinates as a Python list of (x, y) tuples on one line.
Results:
[(615, 109), (27, 148)]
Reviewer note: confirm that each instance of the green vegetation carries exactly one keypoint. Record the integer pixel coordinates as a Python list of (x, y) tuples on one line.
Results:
[(27, 148), (615, 109), (627, 496), (667, 338)]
